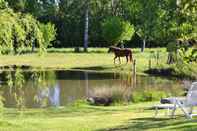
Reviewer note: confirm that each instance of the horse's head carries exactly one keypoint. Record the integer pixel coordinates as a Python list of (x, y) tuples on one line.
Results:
[(111, 48)]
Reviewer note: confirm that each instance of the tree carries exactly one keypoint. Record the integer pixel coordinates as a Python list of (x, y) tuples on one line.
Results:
[(3, 4), (147, 20), (86, 28), (49, 33), (116, 30), (19, 31), (143, 14), (179, 21), (17, 5)]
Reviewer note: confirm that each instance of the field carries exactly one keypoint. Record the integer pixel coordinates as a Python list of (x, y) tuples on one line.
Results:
[(96, 60)]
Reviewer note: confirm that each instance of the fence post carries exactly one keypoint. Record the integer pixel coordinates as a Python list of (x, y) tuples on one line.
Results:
[(134, 73), (158, 55), (134, 67)]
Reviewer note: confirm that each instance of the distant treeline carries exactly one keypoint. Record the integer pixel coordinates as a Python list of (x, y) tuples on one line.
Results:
[(156, 22)]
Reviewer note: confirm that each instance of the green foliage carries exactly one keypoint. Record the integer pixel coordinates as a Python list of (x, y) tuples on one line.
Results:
[(18, 5), (191, 57), (116, 30), (184, 69), (49, 33), (148, 95), (172, 47), (19, 31), (156, 22), (3, 4)]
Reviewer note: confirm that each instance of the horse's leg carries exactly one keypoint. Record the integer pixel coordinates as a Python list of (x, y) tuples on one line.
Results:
[(115, 59), (127, 58), (119, 60)]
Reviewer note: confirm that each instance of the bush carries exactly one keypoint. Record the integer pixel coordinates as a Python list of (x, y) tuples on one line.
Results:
[(49, 33), (147, 95)]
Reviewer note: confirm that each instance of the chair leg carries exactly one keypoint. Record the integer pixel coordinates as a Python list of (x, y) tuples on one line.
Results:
[(174, 108), (168, 110), (188, 115), (173, 112), (191, 110)]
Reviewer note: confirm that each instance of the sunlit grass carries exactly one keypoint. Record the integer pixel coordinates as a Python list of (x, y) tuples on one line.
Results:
[(97, 60), (83, 117)]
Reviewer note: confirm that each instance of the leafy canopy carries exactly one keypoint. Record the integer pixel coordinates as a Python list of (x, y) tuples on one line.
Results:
[(49, 33), (116, 30)]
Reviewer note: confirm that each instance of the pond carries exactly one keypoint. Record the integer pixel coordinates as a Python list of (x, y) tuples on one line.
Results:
[(36, 89)]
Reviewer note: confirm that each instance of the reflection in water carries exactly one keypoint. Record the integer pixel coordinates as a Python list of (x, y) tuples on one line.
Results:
[(86, 84), (33, 89), (49, 95), (54, 95)]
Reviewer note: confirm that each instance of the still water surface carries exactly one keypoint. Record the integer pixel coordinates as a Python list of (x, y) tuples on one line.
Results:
[(35, 89)]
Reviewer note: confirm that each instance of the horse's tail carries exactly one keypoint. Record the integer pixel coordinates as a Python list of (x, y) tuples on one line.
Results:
[(131, 57)]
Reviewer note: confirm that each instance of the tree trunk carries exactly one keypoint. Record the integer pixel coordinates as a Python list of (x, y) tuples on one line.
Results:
[(143, 45), (33, 47), (86, 31), (172, 57)]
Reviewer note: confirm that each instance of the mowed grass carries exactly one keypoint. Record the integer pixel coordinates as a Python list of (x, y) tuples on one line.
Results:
[(83, 117), (96, 60)]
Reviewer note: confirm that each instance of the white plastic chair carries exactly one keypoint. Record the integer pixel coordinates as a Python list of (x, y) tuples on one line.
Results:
[(189, 102), (183, 103)]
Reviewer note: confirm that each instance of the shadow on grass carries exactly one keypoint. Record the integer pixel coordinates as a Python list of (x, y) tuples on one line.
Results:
[(96, 68), (28, 51), (141, 124), (6, 124), (68, 111), (168, 72), (101, 68)]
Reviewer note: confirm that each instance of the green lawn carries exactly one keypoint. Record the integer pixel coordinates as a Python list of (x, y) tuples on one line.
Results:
[(82, 117)]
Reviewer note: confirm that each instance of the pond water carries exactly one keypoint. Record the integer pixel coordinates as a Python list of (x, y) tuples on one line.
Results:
[(35, 89)]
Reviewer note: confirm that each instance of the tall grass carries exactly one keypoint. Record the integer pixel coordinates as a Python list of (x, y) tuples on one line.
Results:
[(122, 95), (116, 93), (148, 95)]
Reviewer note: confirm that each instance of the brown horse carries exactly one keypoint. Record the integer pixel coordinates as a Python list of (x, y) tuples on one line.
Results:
[(119, 52)]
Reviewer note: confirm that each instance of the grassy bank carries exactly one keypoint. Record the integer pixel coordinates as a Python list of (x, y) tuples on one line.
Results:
[(96, 60), (82, 117)]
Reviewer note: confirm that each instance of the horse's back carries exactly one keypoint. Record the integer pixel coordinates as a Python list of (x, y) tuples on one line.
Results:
[(122, 52)]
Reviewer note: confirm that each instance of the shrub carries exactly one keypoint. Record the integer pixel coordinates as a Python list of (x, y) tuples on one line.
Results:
[(114, 94), (148, 95)]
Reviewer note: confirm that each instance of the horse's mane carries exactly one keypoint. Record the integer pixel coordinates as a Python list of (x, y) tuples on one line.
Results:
[(114, 47), (118, 48)]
